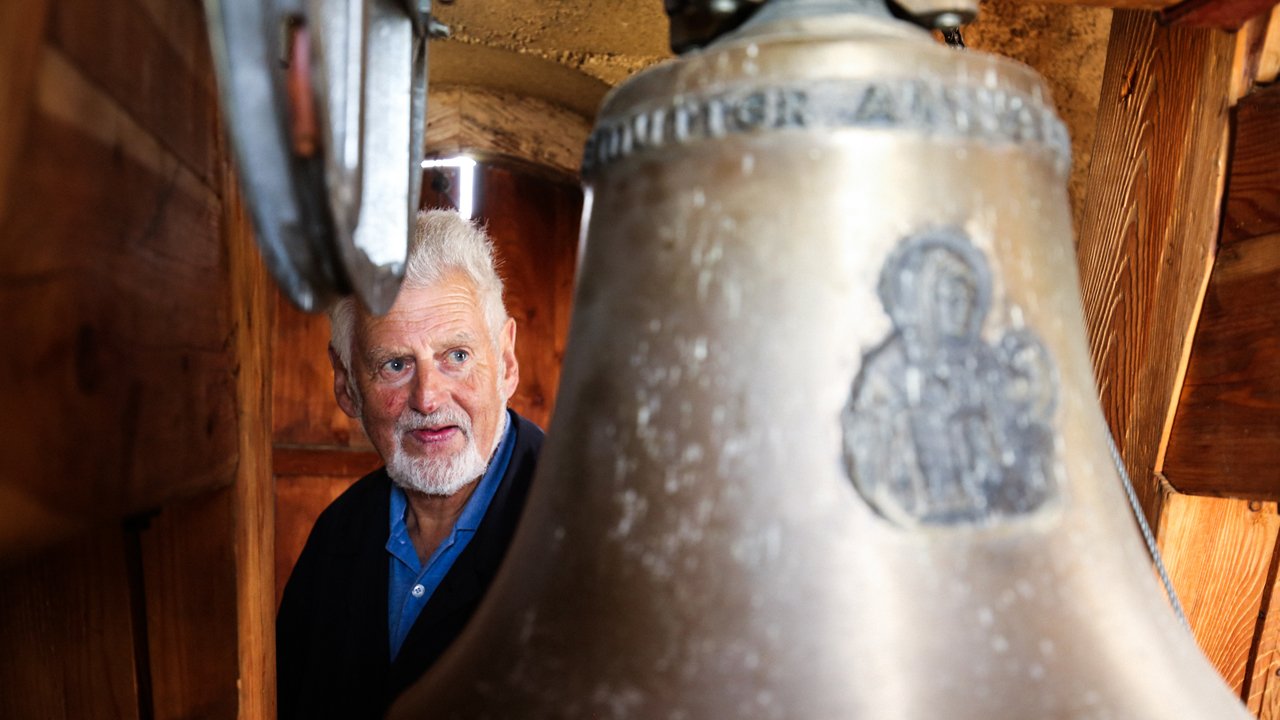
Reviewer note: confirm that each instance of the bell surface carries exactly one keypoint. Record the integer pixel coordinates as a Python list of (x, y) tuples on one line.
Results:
[(827, 443)]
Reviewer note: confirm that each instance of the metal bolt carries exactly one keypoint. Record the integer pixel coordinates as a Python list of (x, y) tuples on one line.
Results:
[(948, 20)]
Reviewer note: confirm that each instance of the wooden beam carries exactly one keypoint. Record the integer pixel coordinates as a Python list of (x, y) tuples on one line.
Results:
[(113, 288), (1227, 14), (1151, 212), (1120, 4), (1219, 554), (1269, 63), (252, 533), (1225, 438), (317, 460), (531, 129), (1263, 692), (1253, 192), (1223, 14), (1250, 44), (161, 76)]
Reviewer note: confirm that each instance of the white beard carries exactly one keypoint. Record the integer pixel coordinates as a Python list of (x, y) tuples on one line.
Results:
[(432, 476)]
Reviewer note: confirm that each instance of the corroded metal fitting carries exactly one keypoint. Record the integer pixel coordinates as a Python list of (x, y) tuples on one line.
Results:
[(696, 23)]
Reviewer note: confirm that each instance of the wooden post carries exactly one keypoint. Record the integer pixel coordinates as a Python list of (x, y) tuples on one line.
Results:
[(135, 495), (253, 493), (1150, 222)]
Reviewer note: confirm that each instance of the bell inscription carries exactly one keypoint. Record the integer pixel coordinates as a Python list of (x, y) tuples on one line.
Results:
[(944, 427), (930, 108)]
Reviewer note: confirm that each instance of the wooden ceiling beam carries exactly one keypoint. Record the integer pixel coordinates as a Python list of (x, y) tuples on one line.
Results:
[(1119, 4), (1229, 14)]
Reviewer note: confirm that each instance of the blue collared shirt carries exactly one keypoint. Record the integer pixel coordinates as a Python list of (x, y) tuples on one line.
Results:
[(410, 584)]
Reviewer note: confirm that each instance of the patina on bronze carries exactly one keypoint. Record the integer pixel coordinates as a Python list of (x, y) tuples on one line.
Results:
[(827, 443)]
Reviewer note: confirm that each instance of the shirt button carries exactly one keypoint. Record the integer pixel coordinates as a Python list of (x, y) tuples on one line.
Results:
[(418, 591)]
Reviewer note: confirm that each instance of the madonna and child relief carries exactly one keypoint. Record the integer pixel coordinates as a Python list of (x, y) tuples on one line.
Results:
[(944, 426)]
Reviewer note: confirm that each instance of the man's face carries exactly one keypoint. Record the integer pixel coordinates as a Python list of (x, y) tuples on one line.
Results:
[(430, 385)]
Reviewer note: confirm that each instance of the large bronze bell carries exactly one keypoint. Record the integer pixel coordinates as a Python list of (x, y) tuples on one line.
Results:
[(828, 443)]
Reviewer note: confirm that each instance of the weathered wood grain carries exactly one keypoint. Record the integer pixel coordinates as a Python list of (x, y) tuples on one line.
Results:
[(67, 634), (1269, 62), (182, 25), (1225, 438), (252, 533), (1227, 14), (475, 119), (1204, 13), (135, 378), (1218, 553), (113, 297), (189, 570), (1253, 190), (1250, 43), (1150, 223), (119, 48), (1263, 691)]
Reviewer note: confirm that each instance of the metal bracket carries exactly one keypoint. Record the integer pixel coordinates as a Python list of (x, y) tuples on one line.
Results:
[(696, 23), (325, 106)]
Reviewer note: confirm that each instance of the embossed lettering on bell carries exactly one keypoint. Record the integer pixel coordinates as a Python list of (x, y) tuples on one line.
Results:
[(827, 443)]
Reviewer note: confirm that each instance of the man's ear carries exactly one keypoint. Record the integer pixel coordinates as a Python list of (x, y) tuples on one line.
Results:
[(510, 367), (343, 389)]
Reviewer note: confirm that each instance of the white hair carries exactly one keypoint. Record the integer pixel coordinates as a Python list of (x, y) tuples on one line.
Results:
[(442, 243)]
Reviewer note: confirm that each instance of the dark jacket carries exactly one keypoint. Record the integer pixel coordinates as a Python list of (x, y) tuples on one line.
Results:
[(333, 646)]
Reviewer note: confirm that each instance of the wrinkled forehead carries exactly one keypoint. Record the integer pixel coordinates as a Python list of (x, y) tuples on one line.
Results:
[(447, 310)]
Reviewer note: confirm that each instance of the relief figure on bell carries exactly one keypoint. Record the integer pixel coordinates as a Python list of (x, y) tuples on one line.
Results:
[(942, 426)]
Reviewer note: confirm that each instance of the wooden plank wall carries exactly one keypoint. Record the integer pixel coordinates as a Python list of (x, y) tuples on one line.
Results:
[(532, 214), (135, 513)]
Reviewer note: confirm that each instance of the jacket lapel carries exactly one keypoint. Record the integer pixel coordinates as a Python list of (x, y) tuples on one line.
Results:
[(365, 589)]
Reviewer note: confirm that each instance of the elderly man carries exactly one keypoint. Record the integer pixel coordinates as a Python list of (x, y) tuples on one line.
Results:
[(397, 564)]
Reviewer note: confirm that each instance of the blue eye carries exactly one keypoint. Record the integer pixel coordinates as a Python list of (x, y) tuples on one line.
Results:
[(396, 365), (459, 356)]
